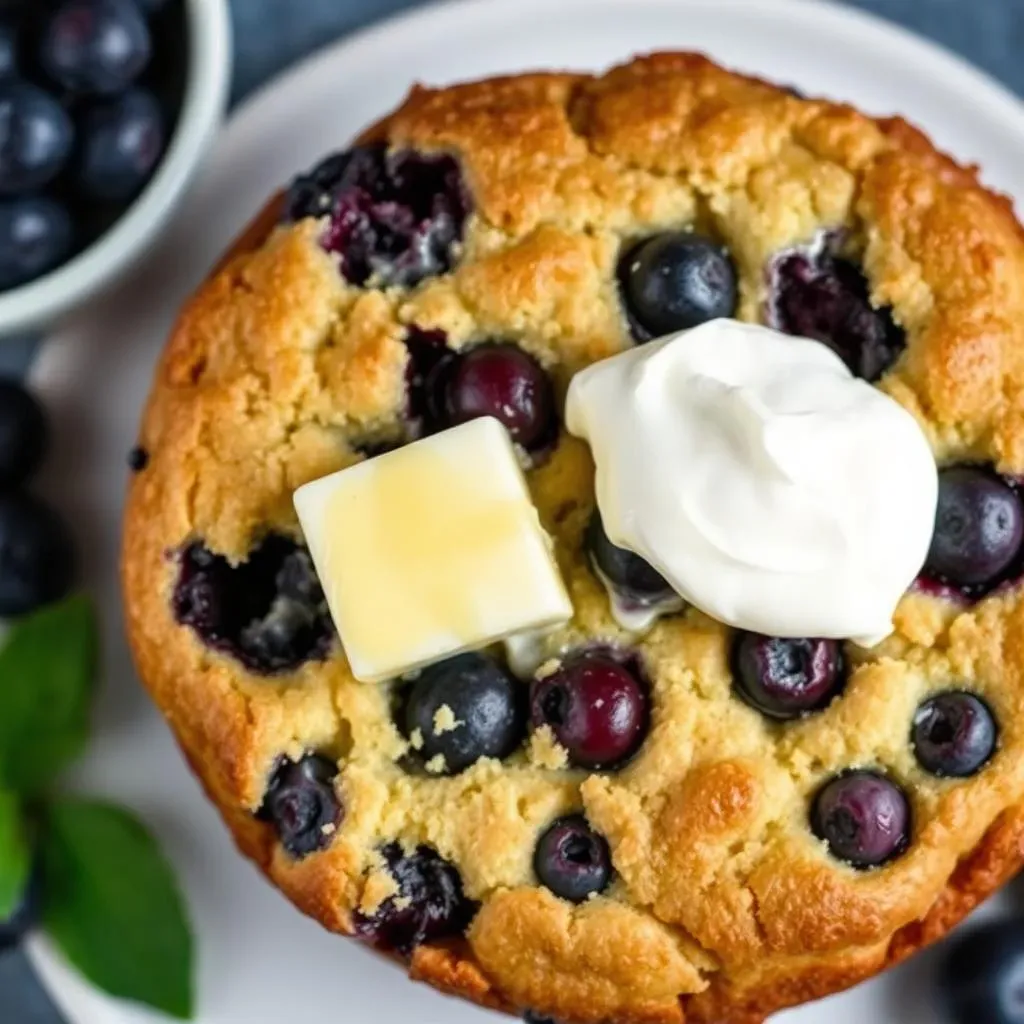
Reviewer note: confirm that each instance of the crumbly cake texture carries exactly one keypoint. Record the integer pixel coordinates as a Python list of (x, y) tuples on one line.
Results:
[(725, 907)]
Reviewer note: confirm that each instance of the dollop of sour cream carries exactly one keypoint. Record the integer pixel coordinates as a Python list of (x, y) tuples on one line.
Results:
[(770, 487)]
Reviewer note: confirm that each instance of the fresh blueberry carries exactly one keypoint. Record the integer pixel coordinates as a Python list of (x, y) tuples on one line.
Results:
[(120, 145), (828, 299), (35, 137), (596, 706), (395, 218), (24, 434), (95, 47), (982, 975), (10, 33), (151, 7), (629, 574), (863, 817), (37, 555), (36, 236), (979, 528), (269, 612), (26, 914), (675, 281), (465, 708), (505, 382), (954, 735), (572, 860), (786, 678), (429, 905), (302, 804)]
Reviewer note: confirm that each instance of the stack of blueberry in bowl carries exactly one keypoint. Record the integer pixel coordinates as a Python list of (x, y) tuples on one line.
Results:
[(88, 94)]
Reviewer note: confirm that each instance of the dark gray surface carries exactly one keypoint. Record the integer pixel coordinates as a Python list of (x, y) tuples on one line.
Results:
[(271, 34)]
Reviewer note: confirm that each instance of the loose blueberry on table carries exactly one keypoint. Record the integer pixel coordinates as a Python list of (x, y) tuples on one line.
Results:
[(863, 817), (675, 281), (24, 435), (787, 678), (954, 735), (597, 707), (430, 903), (393, 218), (982, 975), (302, 804), (979, 531), (463, 709), (572, 860), (816, 294)]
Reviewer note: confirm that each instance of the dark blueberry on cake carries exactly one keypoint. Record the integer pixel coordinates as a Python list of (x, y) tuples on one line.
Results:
[(268, 612), (823, 297), (532, 1018), (463, 709), (632, 577), (503, 381), (429, 905), (138, 459), (37, 555), (25, 915), (954, 735), (786, 678), (302, 804), (395, 218), (24, 434), (596, 706), (982, 975), (675, 281), (979, 529), (426, 377), (572, 860), (863, 817)]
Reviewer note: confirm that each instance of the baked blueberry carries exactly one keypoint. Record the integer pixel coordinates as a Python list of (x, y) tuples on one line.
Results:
[(35, 137), (36, 236), (786, 678), (828, 299), (465, 708), (14, 928), (95, 47), (430, 364), (863, 817), (533, 1018), (302, 804), (629, 574), (954, 735), (138, 459), (37, 555), (121, 142), (979, 529), (982, 975), (268, 612), (572, 860), (430, 903), (675, 281), (24, 434), (596, 706), (395, 218)]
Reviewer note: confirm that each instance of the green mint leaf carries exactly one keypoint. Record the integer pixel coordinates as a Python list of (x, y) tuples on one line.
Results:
[(47, 678), (15, 858), (113, 907)]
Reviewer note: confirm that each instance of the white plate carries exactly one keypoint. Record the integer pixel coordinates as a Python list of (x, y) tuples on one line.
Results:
[(261, 962)]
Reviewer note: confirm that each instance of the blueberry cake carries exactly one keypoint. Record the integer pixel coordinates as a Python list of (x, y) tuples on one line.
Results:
[(685, 823)]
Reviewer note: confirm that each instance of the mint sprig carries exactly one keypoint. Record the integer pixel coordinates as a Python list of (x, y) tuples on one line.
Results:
[(110, 900)]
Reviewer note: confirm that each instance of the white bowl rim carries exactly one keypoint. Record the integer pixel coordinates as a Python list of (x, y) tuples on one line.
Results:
[(203, 107)]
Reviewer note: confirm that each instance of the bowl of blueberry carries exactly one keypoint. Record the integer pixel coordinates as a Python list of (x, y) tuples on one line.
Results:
[(107, 108)]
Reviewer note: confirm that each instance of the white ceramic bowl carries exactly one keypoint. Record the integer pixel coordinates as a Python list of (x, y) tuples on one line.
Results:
[(207, 81)]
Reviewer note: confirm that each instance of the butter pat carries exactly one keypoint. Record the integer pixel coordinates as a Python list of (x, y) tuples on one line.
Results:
[(431, 550)]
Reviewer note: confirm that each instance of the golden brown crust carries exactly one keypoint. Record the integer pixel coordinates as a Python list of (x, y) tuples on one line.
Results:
[(725, 908)]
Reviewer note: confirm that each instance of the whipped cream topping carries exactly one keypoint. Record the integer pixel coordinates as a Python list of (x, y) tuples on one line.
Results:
[(770, 487)]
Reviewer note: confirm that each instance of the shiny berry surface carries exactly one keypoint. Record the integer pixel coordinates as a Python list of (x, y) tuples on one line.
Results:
[(572, 860), (463, 709), (36, 136), (628, 573), (302, 804), (863, 817), (787, 678), (36, 236), (954, 735), (596, 706)]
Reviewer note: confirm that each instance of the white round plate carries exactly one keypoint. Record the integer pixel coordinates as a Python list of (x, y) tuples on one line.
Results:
[(260, 961)]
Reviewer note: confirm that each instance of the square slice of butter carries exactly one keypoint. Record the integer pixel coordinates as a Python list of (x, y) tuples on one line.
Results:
[(430, 550)]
